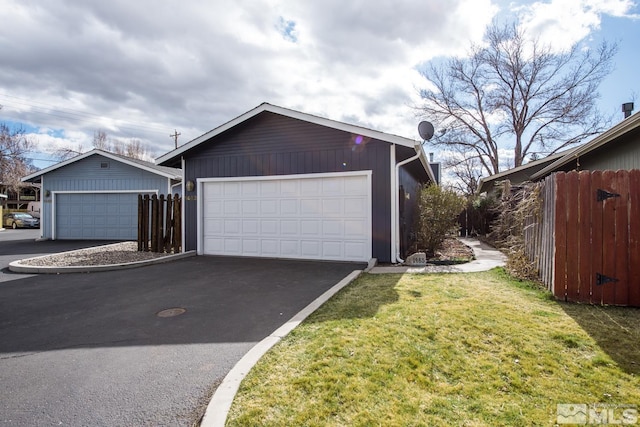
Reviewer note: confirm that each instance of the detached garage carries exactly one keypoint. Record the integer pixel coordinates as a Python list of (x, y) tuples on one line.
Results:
[(280, 183), (94, 196)]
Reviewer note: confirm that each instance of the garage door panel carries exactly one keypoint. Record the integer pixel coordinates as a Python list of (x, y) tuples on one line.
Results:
[(269, 247), (289, 207), (311, 187), (269, 226), (269, 207), (308, 217), (251, 247), (332, 228), (289, 227), (232, 226), (289, 248), (250, 227), (310, 228), (232, 207), (310, 248), (96, 216), (332, 207), (311, 207), (250, 207)]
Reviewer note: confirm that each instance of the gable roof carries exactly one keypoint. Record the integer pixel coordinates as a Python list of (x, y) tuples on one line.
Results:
[(627, 125), (392, 139), (165, 171), (485, 184)]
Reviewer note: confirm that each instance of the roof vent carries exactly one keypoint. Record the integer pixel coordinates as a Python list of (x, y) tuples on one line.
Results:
[(104, 165), (627, 109)]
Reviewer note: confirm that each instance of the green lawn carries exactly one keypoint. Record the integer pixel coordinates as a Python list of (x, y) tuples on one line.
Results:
[(459, 349)]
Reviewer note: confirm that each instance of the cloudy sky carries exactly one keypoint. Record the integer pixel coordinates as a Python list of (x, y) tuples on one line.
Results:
[(142, 69)]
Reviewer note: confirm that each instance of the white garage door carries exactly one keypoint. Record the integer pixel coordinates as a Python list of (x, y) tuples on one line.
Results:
[(96, 216), (319, 216)]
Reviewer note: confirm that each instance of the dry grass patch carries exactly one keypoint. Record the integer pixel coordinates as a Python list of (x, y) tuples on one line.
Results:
[(463, 349)]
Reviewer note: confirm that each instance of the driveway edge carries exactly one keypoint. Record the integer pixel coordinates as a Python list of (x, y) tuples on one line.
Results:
[(220, 404), (18, 267)]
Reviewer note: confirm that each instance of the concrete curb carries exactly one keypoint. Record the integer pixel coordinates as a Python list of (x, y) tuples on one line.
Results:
[(220, 404), (18, 267)]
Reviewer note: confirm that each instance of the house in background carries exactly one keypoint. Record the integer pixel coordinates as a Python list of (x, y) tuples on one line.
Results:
[(20, 199), (280, 183), (618, 148), (94, 196), (615, 149), (517, 175)]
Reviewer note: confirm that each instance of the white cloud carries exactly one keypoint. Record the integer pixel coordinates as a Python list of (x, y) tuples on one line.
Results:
[(140, 69), (562, 23)]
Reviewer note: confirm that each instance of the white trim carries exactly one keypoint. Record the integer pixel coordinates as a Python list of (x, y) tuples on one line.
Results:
[(55, 193), (183, 207), (392, 139), (394, 186), (104, 154), (397, 202), (42, 208), (199, 214), (200, 205), (281, 177)]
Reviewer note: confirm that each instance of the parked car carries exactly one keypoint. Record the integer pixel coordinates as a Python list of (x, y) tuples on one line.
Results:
[(20, 220)]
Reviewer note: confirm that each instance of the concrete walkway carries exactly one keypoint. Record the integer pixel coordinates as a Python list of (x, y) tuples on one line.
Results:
[(486, 259)]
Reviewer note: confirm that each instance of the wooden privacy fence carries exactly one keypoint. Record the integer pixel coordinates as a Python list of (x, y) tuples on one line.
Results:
[(159, 223), (586, 239)]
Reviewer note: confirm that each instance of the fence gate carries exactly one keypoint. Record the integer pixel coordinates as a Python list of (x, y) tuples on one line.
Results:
[(597, 237)]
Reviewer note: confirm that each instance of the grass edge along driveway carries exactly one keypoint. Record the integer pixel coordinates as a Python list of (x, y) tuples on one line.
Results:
[(460, 349)]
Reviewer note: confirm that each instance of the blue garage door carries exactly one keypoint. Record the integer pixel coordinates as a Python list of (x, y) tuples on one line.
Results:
[(101, 216)]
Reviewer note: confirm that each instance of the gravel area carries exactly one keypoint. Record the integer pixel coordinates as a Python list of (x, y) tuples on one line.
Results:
[(117, 253)]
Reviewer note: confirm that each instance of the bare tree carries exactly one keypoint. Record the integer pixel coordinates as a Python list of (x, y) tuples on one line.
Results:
[(14, 164), (465, 169), (516, 93), (133, 148)]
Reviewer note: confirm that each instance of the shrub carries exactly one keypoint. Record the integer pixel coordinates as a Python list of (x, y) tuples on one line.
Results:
[(437, 215)]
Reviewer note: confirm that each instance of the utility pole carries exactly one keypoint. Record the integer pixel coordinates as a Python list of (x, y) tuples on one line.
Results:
[(175, 136)]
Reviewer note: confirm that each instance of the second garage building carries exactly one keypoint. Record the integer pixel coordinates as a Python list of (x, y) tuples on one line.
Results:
[(280, 183)]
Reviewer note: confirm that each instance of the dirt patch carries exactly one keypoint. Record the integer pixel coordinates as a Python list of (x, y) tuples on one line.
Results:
[(453, 251)]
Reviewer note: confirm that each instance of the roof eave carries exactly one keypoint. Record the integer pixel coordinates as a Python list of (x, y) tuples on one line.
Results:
[(34, 176), (607, 136), (393, 139)]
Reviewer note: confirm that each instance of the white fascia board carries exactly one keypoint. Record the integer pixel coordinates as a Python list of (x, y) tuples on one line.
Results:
[(392, 139), (101, 153)]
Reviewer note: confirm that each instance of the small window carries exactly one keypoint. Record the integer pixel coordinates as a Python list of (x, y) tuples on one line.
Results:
[(104, 165)]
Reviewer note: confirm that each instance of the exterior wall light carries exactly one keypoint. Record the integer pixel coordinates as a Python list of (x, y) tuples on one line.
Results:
[(190, 185)]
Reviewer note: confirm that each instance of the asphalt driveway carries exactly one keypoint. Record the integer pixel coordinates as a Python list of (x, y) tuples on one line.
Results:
[(90, 349), (21, 243)]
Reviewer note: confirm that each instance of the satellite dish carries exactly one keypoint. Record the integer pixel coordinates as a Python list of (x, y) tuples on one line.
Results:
[(425, 129)]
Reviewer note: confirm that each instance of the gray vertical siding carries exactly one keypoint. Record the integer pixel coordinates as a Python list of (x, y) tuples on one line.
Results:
[(271, 144), (411, 176), (87, 175)]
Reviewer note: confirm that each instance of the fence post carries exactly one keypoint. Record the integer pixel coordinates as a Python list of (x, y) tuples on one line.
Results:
[(140, 223), (168, 226), (145, 231), (177, 224)]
